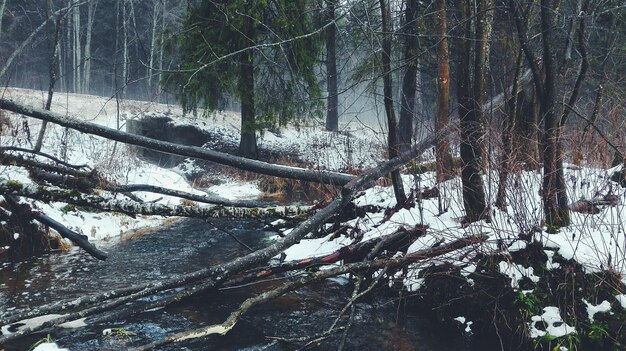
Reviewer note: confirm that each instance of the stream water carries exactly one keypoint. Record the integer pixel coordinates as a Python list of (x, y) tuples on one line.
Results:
[(190, 245)]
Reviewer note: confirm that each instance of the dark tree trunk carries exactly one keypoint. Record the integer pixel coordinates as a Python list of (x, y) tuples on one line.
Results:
[(407, 103), (54, 63), (247, 144), (442, 151), (555, 207), (527, 130), (398, 188), (471, 92), (507, 156), (332, 112)]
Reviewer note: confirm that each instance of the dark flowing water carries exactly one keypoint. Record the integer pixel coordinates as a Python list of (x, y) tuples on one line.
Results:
[(191, 245)]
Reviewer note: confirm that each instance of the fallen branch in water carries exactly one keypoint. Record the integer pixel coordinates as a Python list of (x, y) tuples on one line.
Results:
[(229, 324), (217, 274), (394, 242)]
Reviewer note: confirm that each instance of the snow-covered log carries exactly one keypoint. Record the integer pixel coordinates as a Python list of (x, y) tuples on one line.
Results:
[(74, 197), (256, 166), (215, 275)]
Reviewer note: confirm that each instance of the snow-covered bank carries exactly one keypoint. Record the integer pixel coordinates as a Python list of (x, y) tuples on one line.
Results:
[(114, 161), (527, 264)]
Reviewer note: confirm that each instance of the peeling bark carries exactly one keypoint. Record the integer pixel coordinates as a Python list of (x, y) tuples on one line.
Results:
[(74, 197)]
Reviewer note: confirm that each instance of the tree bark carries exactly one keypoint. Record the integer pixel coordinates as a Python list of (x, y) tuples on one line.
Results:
[(77, 55), (79, 240), (332, 108), (54, 63), (248, 143), (471, 90), (153, 42), (2, 7), (409, 86), (556, 211), (326, 177), (392, 136), (74, 197), (444, 162), (91, 13)]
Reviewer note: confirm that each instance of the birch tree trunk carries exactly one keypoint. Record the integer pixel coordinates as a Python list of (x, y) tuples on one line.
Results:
[(77, 56), (153, 43), (91, 12), (4, 3)]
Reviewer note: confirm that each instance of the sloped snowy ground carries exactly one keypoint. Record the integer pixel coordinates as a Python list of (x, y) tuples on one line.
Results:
[(596, 241)]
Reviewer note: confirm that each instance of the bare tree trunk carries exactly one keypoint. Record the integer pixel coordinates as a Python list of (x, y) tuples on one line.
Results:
[(247, 144), (442, 151), (326, 177), (332, 109), (124, 47), (161, 38), (472, 90), (153, 42), (54, 63), (555, 207), (407, 101), (509, 126), (91, 13), (4, 3), (77, 50), (398, 188)]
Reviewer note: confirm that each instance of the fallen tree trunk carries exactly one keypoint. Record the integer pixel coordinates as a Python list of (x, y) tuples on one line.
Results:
[(219, 273), (48, 194), (79, 240), (229, 324), (333, 178), (89, 183), (397, 241), (87, 180)]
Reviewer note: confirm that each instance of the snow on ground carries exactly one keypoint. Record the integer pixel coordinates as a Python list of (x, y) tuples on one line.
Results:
[(115, 161), (356, 147), (48, 346), (596, 241)]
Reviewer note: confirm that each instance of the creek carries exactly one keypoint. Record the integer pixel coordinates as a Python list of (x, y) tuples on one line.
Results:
[(379, 323)]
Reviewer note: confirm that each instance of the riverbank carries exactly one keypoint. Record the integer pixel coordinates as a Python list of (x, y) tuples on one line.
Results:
[(527, 286)]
